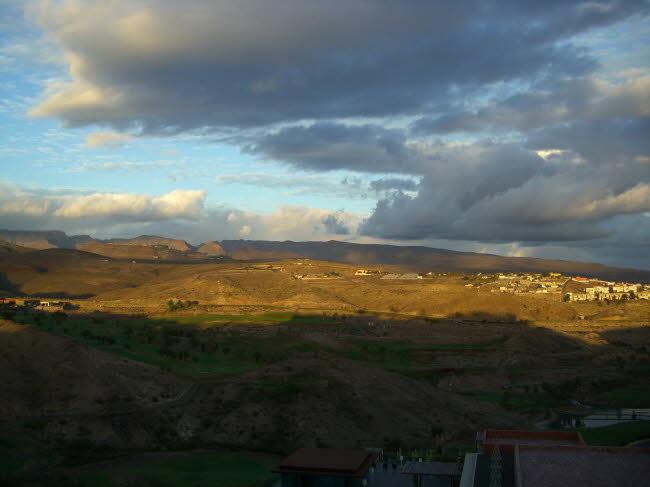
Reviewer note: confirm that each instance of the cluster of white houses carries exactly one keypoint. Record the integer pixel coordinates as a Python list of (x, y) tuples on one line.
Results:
[(588, 289), (551, 282)]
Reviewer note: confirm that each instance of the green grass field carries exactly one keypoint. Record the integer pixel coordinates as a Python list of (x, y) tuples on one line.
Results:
[(195, 346), (617, 434), (17, 456), (263, 318), (201, 470), (515, 401), (629, 396), (177, 345)]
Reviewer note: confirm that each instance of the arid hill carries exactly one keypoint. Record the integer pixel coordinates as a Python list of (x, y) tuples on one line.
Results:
[(152, 240), (37, 239), (417, 258), (424, 258), (211, 248), (132, 251)]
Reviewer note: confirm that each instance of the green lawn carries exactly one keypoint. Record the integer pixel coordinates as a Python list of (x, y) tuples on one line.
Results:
[(193, 350), (515, 401), (617, 434), (204, 470), (18, 457), (630, 396), (268, 318)]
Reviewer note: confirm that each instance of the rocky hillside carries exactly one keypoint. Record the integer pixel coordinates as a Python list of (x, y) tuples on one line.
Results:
[(42, 373), (415, 257), (37, 239), (152, 240), (211, 248)]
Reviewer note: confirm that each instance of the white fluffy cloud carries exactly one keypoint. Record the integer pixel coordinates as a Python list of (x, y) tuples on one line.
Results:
[(23, 205), (181, 213)]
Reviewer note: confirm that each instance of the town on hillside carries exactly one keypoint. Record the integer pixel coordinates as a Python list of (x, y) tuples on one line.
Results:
[(569, 288)]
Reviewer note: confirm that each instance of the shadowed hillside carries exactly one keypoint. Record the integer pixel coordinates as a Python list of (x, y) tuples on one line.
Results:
[(423, 258)]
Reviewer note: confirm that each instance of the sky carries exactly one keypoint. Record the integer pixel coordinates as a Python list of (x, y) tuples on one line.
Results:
[(519, 128)]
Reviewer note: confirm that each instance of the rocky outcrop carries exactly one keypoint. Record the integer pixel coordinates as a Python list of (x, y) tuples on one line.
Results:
[(211, 248), (152, 240), (48, 239)]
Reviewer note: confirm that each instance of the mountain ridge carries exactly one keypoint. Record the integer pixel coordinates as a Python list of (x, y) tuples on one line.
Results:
[(416, 257)]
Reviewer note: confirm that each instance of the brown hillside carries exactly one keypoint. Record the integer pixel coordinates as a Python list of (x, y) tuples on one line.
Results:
[(211, 248), (45, 373), (423, 258), (152, 240), (37, 239)]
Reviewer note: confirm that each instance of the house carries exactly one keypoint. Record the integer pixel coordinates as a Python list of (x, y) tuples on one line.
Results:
[(496, 454), (486, 440), (364, 272), (624, 288), (326, 467), (577, 466), (597, 290), (513, 458), (390, 276), (581, 297)]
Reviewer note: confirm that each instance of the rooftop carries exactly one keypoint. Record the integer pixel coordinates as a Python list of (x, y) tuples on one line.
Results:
[(531, 437), (544, 466), (328, 461)]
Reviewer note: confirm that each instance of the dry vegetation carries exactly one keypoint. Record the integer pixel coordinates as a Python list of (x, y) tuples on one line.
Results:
[(261, 359)]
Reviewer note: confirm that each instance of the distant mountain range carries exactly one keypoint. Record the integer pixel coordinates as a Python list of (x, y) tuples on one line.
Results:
[(416, 257)]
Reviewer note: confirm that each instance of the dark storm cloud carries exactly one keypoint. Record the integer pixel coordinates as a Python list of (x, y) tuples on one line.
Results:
[(330, 146), (599, 142), (165, 67), (393, 184), (335, 225), (545, 104), (315, 85), (501, 193)]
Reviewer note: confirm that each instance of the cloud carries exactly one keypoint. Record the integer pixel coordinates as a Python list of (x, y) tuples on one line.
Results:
[(135, 207), (500, 192), (393, 184), (38, 209), (585, 99), (334, 225), (492, 122), (128, 166), (162, 67), (292, 184), (332, 146), (289, 222), (177, 213), (109, 140)]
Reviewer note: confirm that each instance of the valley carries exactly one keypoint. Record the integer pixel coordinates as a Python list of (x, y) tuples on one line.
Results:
[(181, 360)]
